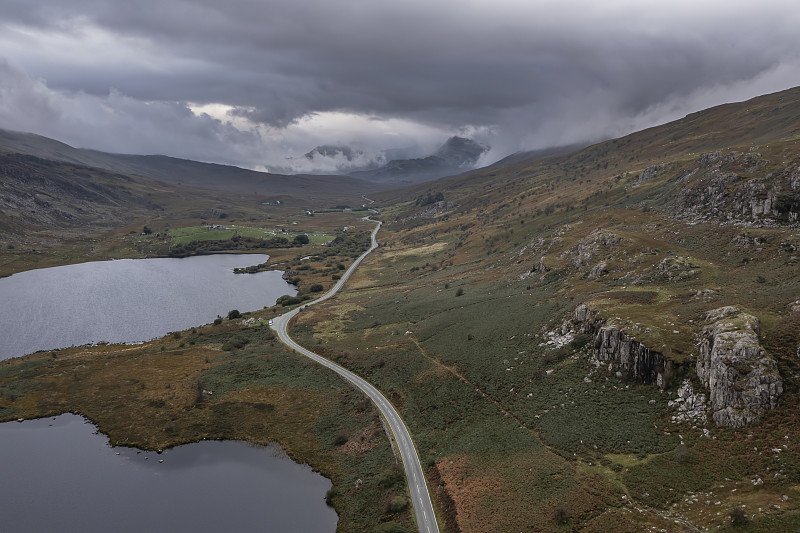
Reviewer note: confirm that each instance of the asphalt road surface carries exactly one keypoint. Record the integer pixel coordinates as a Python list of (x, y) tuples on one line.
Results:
[(417, 487)]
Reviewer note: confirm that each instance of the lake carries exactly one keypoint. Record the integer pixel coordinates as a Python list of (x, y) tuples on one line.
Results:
[(60, 474), (127, 300)]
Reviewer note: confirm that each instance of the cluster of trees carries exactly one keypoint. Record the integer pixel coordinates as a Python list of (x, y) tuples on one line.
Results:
[(347, 245), (236, 242), (430, 198)]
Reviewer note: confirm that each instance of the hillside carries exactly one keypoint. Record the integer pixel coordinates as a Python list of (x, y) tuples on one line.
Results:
[(603, 339), (186, 172), (612, 332), (62, 205)]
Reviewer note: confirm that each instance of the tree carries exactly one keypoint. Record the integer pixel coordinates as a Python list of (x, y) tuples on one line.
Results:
[(234, 313), (301, 239), (146, 230)]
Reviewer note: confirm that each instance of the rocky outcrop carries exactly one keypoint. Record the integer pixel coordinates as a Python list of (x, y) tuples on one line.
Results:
[(598, 270), (291, 276), (690, 406), (742, 380), (612, 346), (736, 188), (599, 243)]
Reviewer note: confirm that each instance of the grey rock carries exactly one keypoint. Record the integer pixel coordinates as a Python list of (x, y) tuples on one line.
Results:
[(598, 270), (613, 346), (735, 188), (647, 174), (742, 380)]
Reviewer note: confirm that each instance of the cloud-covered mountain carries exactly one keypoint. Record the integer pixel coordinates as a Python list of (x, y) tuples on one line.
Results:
[(456, 155)]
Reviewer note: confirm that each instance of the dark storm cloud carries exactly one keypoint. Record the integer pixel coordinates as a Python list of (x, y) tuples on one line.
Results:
[(527, 74)]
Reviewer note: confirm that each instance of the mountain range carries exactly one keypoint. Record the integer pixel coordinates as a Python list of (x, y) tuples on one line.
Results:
[(181, 171)]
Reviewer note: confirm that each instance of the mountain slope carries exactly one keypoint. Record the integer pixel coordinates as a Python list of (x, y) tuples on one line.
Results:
[(41, 193), (592, 330), (766, 119), (186, 172)]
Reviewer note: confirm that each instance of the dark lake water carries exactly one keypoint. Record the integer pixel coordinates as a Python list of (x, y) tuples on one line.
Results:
[(61, 475), (127, 300)]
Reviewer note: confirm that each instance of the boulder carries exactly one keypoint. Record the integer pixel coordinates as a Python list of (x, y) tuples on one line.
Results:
[(741, 378)]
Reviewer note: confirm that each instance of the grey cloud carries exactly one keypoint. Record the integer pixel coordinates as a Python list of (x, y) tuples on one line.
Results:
[(534, 73)]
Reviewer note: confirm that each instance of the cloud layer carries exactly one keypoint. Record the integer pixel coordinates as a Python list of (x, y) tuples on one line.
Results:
[(261, 83)]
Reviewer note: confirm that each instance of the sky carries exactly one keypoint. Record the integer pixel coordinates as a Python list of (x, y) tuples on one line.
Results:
[(259, 83)]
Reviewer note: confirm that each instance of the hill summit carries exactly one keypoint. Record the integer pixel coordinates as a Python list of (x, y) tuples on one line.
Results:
[(455, 156)]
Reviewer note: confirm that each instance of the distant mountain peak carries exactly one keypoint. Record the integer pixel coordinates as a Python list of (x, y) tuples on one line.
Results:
[(456, 155), (332, 150), (461, 152)]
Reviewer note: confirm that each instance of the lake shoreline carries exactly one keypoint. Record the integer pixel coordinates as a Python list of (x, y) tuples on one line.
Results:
[(127, 301), (267, 470)]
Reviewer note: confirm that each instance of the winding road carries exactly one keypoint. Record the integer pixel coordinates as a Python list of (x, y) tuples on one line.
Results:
[(417, 487)]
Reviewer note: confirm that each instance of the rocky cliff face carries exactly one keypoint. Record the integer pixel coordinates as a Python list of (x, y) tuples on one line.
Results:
[(741, 378), (739, 188), (622, 353)]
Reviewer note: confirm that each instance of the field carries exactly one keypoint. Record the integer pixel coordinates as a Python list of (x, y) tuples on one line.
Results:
[(221, 232)]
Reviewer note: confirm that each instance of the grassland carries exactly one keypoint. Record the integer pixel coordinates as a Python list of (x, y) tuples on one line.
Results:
[(221, 232), (451, 319)]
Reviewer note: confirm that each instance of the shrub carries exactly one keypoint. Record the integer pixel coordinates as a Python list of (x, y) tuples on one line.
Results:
[(396, 505), (561, 515), (330, 495), (460, 291), (237, 342), (341, 438), (786, 203), (300, 240), (315, 288), (738, 517), (391, 477), (580, 340), (234, 313), (217, 321)]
